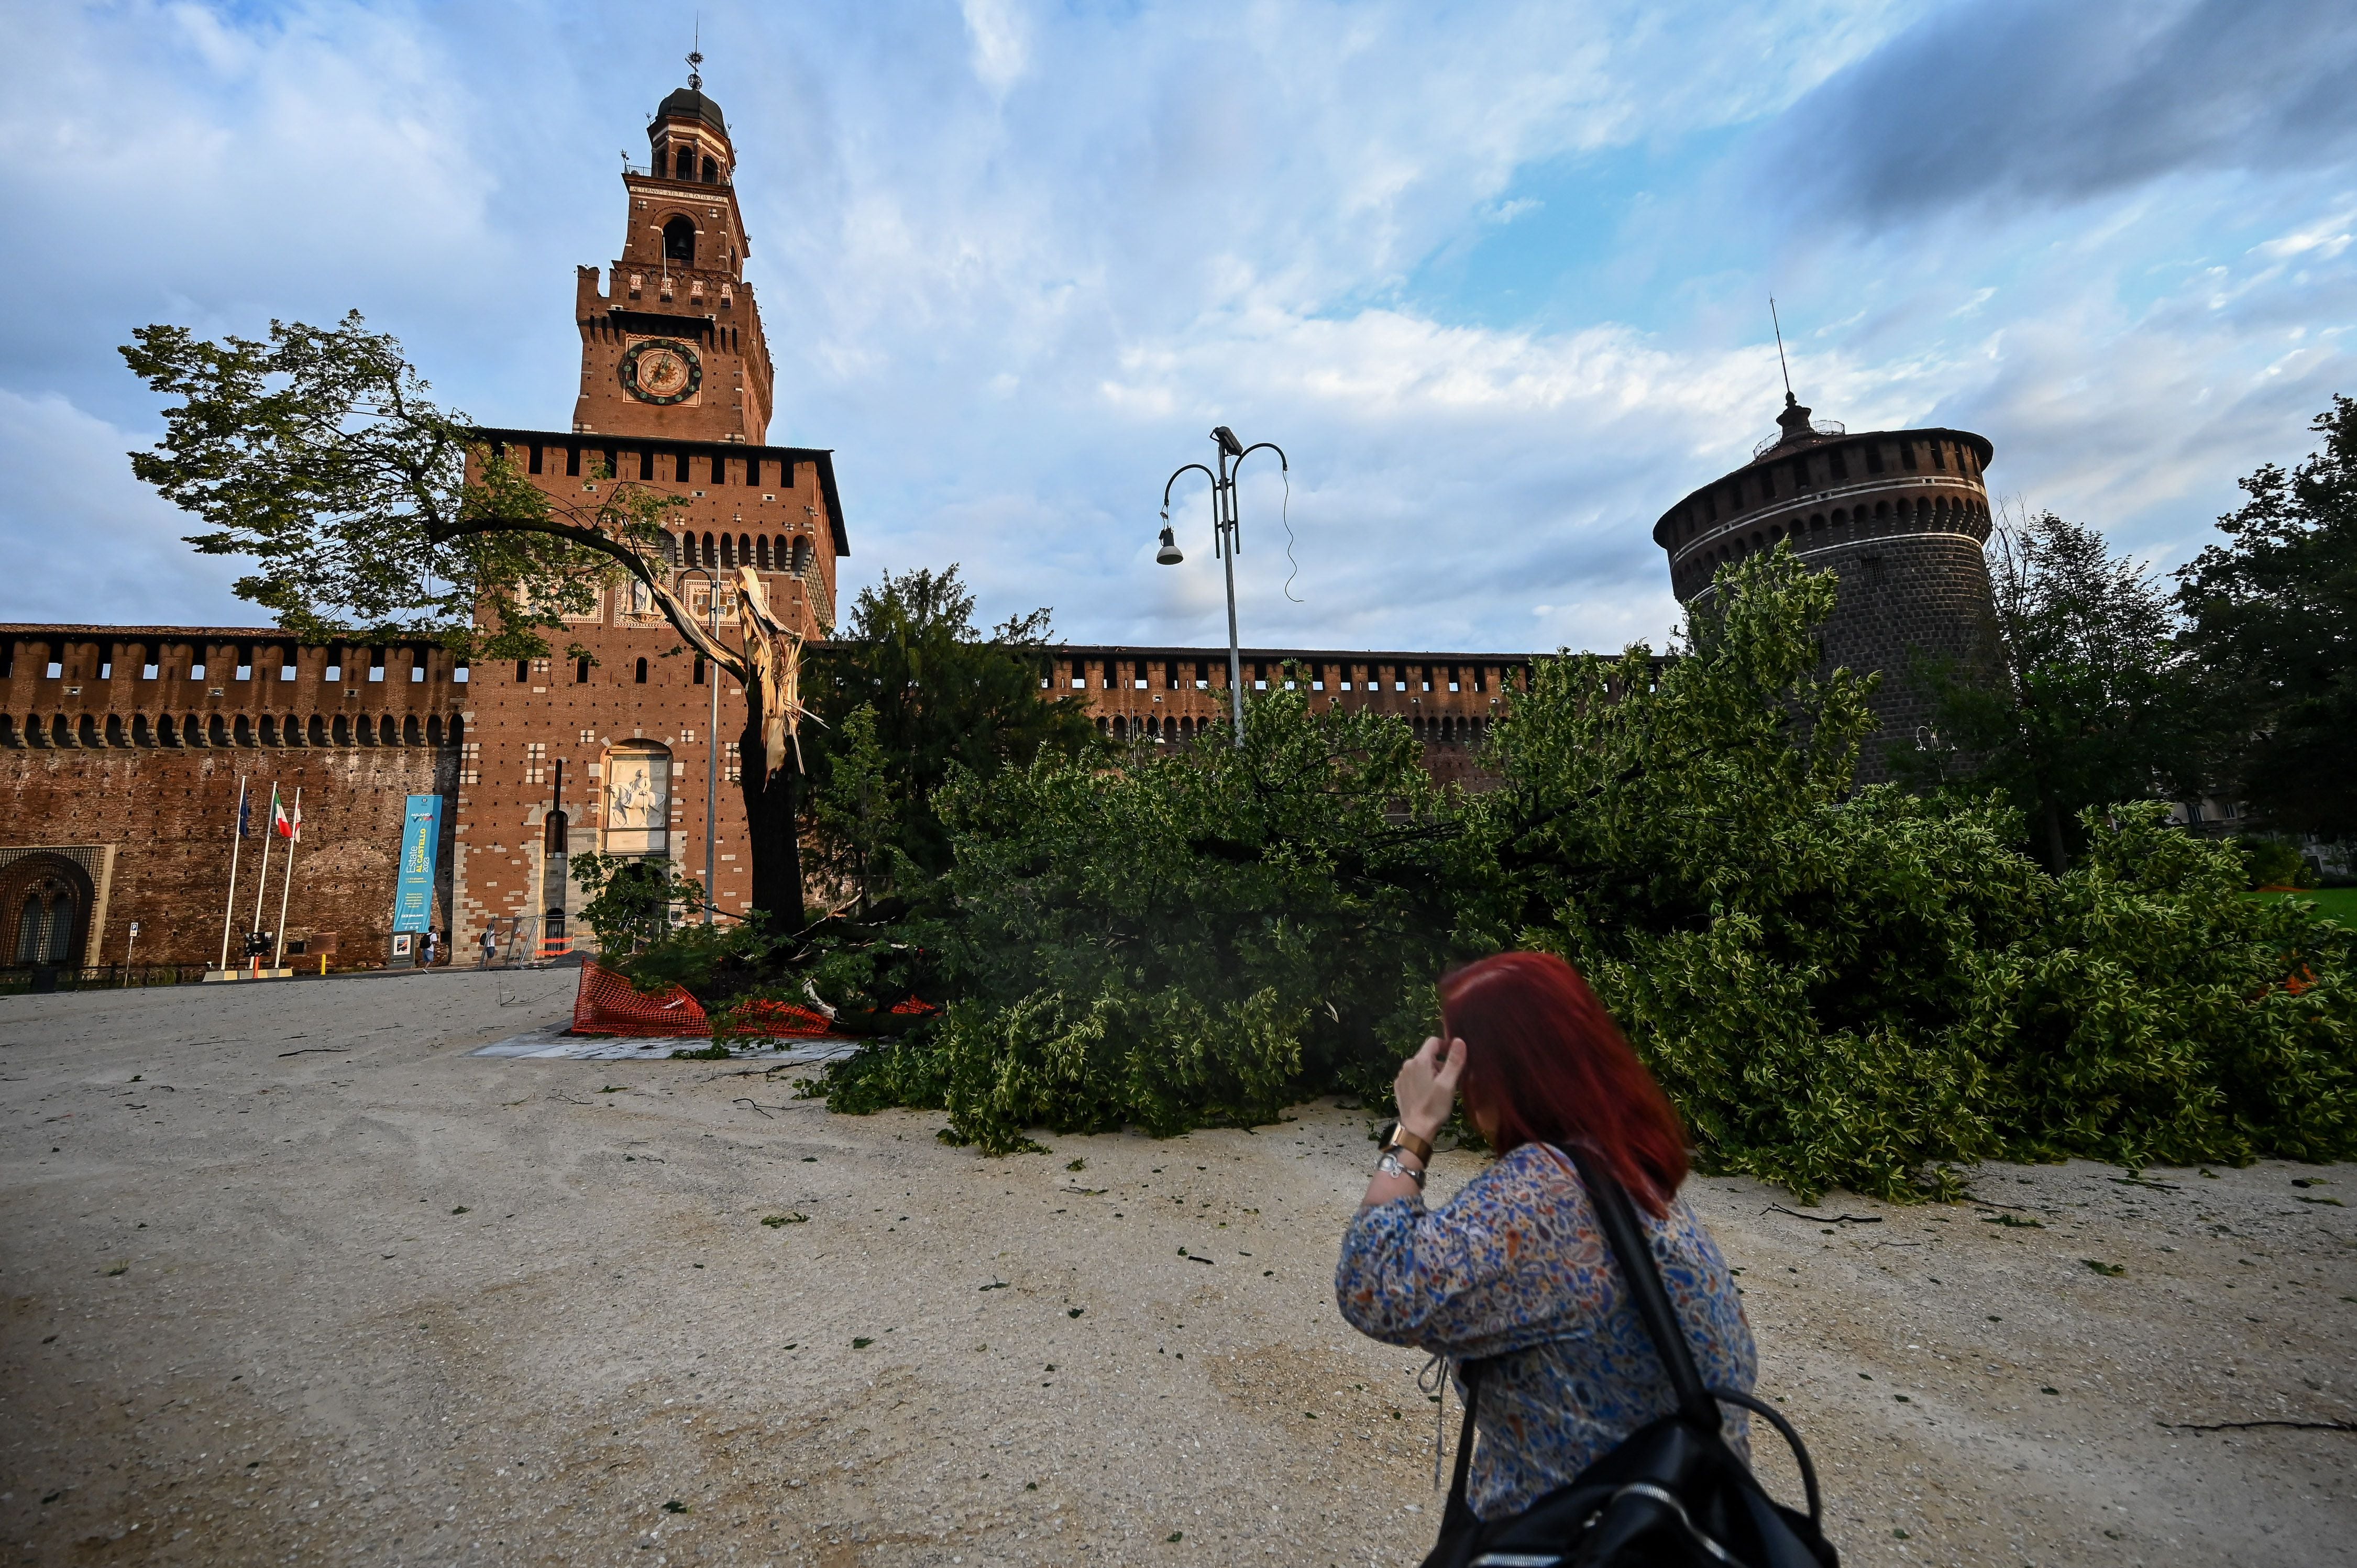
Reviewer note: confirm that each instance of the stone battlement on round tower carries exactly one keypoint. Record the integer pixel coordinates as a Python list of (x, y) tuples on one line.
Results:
[(1899, 515)]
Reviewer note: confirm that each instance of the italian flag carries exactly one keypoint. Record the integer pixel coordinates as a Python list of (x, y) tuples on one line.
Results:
[(285, 826)]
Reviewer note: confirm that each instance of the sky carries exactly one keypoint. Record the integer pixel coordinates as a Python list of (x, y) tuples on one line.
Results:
[(1494, 276)]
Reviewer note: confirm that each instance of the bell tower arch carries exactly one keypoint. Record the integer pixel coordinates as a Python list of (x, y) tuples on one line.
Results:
[(671, 345)]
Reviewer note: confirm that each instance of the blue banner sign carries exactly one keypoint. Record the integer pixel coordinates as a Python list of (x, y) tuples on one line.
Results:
[(421, 841)]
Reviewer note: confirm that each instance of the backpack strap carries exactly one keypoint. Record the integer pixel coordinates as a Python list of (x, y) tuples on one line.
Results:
[(1458, 1514), (1618, 1217)]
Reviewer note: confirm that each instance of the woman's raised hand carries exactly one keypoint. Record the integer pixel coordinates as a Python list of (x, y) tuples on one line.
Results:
[(1426, 1086)]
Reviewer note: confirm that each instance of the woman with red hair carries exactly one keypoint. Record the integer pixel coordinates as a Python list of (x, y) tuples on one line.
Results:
[(1514, 1271)]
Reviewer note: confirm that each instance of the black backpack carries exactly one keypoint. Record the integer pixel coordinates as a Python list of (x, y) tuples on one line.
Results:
[(1673, 1494)]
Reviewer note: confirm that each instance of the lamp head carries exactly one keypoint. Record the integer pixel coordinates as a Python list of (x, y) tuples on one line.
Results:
[(1228, 442), (1169, 555)]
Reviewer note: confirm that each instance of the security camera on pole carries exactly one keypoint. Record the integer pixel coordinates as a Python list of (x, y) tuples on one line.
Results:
[(1224, 541)]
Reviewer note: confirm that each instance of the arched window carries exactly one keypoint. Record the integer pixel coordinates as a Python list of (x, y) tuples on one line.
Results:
[(1881, 510), (711, 554), (410, 734), (642, 672), (683, 165), (744, 550), (47, 896), (434, 729), (581, 670), (762, 549), (386, 733), (712, 171), (727, 550), (245, 730), (343, 732), (114, 730), (802, 557), (269, 729), (679, 239), (319, 729)]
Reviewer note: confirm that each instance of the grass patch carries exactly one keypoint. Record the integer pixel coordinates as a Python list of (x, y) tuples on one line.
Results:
[(2335, 904)]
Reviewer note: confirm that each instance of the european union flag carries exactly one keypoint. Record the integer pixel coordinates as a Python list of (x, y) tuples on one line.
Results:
[(244, 811)]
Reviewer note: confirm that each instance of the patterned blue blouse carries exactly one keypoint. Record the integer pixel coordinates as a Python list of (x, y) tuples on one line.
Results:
[(1515, 1267)]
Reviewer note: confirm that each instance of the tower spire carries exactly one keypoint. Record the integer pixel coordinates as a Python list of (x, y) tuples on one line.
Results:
[(695, 56), (1789, 399)]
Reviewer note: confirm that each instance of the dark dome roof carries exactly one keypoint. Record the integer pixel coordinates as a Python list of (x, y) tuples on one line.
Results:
[(688, 104)]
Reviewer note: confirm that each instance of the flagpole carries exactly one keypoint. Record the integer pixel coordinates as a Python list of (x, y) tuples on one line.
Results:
[(293, 837), (262, 889), (236, 842)]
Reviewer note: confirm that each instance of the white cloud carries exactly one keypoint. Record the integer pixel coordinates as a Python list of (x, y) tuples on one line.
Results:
[(1016, 262), (1002, 42)]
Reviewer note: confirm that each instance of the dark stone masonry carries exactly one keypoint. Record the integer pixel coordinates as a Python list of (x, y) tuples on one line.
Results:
[(1901, 515)]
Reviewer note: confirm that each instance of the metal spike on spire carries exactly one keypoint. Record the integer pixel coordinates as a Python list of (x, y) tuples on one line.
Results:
[(1789, 399), (695, 56)]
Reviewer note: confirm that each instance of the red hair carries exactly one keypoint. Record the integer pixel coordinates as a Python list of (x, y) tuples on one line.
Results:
[(1546, 1064)]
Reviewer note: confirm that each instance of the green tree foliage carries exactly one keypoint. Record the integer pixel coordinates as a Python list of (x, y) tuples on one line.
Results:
[(1193, 936), (630, 899), (318, 455), (853, 818), (2273, 629), (1837, 986), (944, 696), (2091, 702), (2272, 863)]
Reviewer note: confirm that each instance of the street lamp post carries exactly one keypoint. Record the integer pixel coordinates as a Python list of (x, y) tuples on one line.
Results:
[(712, 738), (1225, 541)]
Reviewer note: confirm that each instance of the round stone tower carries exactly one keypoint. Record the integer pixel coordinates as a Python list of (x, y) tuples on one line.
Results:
[(1901, 515)]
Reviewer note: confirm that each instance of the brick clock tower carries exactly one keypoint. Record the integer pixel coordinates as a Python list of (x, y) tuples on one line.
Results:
[(675, 348), (611, 752)]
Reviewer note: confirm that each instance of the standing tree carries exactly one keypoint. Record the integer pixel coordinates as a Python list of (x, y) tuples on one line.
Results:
[(2273, 634), (2091, 709), (942, 695), (318, 454)]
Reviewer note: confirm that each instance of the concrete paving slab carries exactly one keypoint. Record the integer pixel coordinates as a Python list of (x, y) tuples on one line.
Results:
[(555, 1043)]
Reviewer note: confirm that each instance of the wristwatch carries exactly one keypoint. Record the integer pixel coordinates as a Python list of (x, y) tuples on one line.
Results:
[(1390, 1165), (1395, 1136)]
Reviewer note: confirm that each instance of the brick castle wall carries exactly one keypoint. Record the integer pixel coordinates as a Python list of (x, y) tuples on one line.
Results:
[(136, 737)]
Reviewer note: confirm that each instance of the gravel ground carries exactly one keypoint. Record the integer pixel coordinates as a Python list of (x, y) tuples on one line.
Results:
[(289, 1276)]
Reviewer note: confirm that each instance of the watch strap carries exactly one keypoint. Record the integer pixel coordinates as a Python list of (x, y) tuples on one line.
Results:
[(1401, 1138)]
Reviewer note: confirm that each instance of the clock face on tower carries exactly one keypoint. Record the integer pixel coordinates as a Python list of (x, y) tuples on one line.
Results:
[(660, 371)]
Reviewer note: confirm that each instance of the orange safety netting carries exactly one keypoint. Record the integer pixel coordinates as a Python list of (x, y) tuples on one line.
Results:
[(608, 1005), (767, 1020)]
